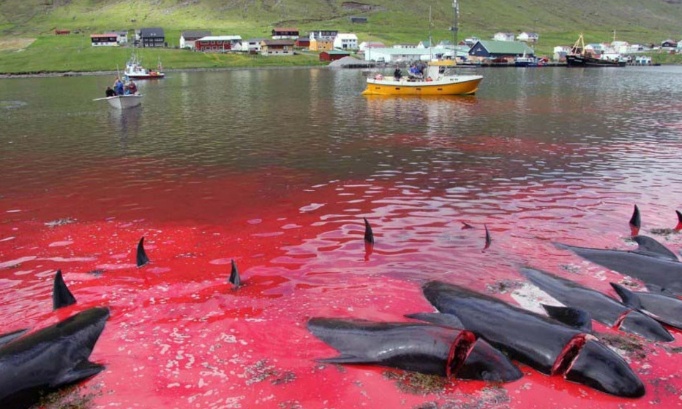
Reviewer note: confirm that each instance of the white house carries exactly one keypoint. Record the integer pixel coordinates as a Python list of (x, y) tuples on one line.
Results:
[(406, 55), (252, 45), (405, 45), (122, 36), (470, 41), (323, 35), (560, 52), (503, 36), (622, 47), (346, 41), (528, 37), (370, 44)]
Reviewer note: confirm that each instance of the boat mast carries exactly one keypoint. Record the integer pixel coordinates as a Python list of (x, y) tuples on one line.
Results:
[(455, 27), (430, 39)]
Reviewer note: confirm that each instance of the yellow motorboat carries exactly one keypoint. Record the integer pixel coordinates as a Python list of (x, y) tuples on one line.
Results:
[(435, 81)]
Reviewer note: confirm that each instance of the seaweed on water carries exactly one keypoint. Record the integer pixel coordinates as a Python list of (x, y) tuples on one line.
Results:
[(69, 398), (630, 345), (262, 371), (417, 383)]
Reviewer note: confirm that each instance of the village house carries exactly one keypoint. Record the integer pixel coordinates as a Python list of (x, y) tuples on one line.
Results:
[(218, 44), (302, 42), (322, 40), (668, 44), (285, 33), (187, 38), (528, 37), (346, 41), (503, 36), (152, 37), (406, 55), (560, 52), (277, 47), (470, 41), (333, 55), (323, 34), (499, 50), (252, 45), (122, 36), (321, 44), (104, 40), (404, 45)]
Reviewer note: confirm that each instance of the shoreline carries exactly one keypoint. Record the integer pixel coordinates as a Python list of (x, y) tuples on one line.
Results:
[(51, 74)]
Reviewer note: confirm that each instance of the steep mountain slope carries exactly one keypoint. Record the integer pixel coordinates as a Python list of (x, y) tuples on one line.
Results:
[(388, 20)]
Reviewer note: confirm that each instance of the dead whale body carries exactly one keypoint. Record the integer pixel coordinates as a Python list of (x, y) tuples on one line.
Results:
[(419, 347), (49, 359), (651, 263), (537, 341), (601, 307), (661, 307)]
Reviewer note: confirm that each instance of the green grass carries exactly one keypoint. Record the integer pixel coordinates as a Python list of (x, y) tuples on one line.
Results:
[(50, 53), (396, 21)]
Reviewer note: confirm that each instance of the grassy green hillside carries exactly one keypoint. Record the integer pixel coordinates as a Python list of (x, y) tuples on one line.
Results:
[(390, 21)]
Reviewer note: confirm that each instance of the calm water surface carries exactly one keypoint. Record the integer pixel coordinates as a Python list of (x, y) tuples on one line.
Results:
[(275, 169)]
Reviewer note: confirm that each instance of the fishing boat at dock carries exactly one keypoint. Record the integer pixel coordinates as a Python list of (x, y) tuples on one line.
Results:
[(435, 81), (580, 57)]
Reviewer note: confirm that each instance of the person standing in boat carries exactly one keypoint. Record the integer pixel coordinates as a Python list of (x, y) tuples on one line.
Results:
[(118, 86), (397, 74)]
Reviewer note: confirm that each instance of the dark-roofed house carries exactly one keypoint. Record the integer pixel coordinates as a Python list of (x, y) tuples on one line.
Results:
[(152, 37), (491, 50), (277, 47), (283, 33), (188, 38)]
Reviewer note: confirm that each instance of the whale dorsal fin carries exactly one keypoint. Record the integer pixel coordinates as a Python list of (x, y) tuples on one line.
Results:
[(573, 317), (61, 296), (234, 276), (141, 257), (647, 246), (629, 298)]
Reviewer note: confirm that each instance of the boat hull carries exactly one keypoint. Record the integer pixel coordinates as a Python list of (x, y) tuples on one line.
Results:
[(125, 101), (455, 85), (154, 76), (582, 61)]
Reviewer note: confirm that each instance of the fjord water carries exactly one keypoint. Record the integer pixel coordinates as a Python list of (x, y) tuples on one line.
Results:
[(276, 169)]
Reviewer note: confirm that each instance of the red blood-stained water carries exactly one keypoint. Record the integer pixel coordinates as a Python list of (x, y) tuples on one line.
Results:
[(180, 336), (561, 161)]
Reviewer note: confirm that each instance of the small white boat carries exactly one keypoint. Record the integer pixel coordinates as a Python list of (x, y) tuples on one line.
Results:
[(134, 70), (123, 101)]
